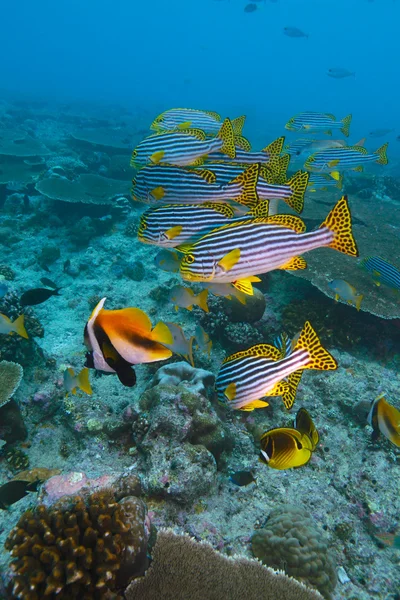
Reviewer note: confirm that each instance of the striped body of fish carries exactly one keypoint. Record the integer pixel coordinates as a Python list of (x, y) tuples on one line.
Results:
[(323, 181), (265, 370), (311, 122), (237, 252), (273, 171), (190, 118), (189, 147), (242, 157), (344, 159), (309, 146), (168, 184), (173, 224), (382, 271)]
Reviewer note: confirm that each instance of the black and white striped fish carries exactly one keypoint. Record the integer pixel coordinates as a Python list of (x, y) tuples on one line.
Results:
[(265, 370), (382, 271), (242, 157), (311, 122), (344, 159), (189, 147), (240, 251), (182, 185), (273, 171), (191, 118)]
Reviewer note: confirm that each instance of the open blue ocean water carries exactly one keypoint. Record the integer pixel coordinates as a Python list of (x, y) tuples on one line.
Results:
[(200, 300)]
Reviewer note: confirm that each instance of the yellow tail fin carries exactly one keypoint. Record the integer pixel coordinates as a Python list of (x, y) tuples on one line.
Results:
[(345, 129), (19, 327), (84, 383), (382, 156), (358, 300), (275, 147), (298, 184), (226, 134), (319, 358), (201, 300), (248, 179), (339, 221)]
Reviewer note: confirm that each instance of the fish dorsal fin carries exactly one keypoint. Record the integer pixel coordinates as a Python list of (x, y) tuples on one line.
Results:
[(124, 319), (275, 147), (220, 207), (260, 210), (280, 388), (296, 263), (244, 285), (359, 169), (359, 149), (288, 221), (207, 175), (258, 351), (248, 180), (330, 116), (305, 425), (228, 139), (242, 143), (267, 173), (237, 124), (230, 259), (199, 134), (213, 114), (298, 185)]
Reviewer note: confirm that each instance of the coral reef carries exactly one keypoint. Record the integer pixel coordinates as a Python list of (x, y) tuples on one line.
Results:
[(291, 541), (7, 272), (17, 460), (87, 189), (79, 548), (184, 569), (10, 377), (195, 380), (14, 347)]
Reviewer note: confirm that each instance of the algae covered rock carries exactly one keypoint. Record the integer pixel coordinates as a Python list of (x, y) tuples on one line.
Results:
[(291, 541)]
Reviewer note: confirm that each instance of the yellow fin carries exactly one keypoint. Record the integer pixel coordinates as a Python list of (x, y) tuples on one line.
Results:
[(197, 133), (230, 391), (289, 221), (213, 114), (296, 263), (253, 405), (242, 143), (201, 300), (244, 285), (156, 157), (359, 169), (275, 147), (333, 163), (358, 300), (184, 125), (83, 381), (207, 175), (290, 396), (382, 156), (237, 124), (280, 388), (220, 207), (158, 193), (335, 175), (260, 350), (19, 327), (227, 136), (230, 259), (319, 358), (339, 222), (304, 424), (173, 232), (162, 334), (346, 125), (248, 179), (298, 184), (260, 210)]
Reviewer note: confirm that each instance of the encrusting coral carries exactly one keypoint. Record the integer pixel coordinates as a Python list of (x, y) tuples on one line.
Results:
[(79, 548), (184, 569), (291, 541), (195, 380), (10, 377)]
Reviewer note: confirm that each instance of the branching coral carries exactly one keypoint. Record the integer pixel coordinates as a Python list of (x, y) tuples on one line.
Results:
[(85, 549), (184, 569), (291, 541), (10, 378)]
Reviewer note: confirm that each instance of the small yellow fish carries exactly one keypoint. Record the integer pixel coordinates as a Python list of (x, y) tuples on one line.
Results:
[(73, 381), (8, 327), (181, 345), (202, 340), (385, 418), (168, 260), (346, 292), (184, 297)]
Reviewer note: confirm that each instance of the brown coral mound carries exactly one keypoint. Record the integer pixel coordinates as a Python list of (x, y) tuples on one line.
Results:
[(291, 541), (184, 569), (86, 549)]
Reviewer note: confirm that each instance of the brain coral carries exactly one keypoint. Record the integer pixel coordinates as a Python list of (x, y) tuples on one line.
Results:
[(10, 378), (291, 541), (79, 548), (184, 569)]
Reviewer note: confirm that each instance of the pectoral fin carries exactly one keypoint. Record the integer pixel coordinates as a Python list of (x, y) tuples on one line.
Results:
[(244, 285), (158, 193), (333, 163), (230, 259), (230, 391), (173, 232), (156, 157)]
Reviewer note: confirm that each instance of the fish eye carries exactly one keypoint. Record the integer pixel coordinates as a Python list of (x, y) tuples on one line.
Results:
[(189, 259), (134, 154)]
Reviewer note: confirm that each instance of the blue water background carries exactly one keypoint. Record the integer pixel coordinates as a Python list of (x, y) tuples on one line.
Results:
[(152, 55)]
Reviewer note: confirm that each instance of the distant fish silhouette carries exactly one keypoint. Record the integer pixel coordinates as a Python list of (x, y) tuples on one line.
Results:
[(37, 296)]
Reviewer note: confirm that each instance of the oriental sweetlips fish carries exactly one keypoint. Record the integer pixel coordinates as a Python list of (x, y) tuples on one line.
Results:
[(311, 122), (345, 159), (288, 447), (243, 157), (273, 171), (385, 418), (382, 271), (168, 183), (266, 370), (118, 339), (191, 118), (188, 147), (239, 251)]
